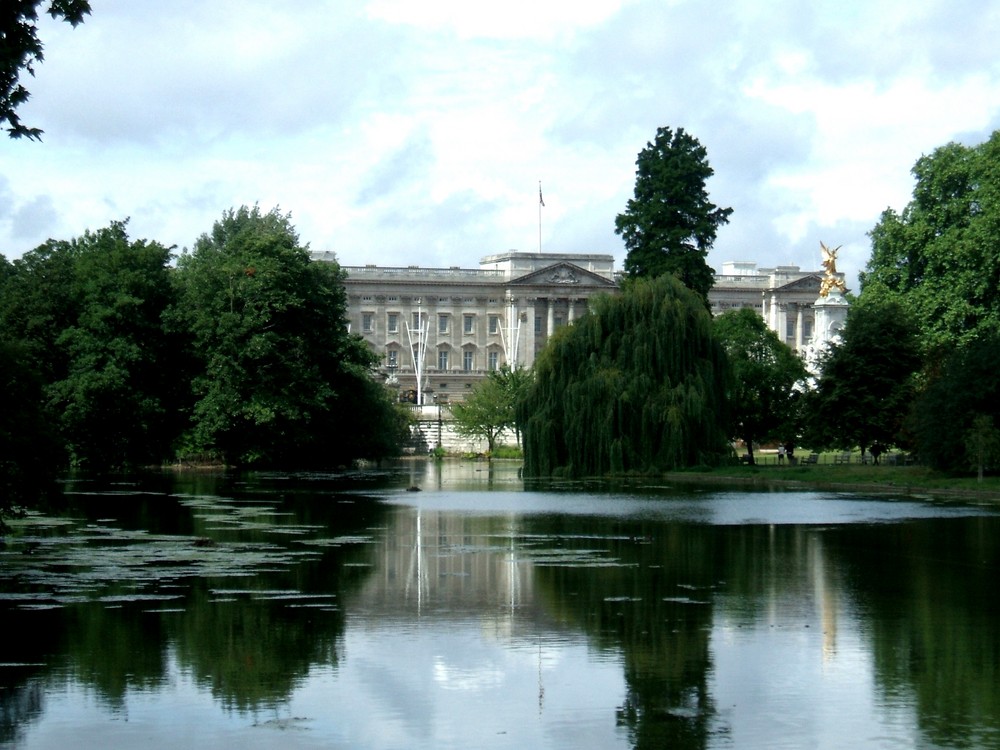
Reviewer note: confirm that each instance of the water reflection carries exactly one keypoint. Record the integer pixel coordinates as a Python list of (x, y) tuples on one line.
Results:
[(347, 612)]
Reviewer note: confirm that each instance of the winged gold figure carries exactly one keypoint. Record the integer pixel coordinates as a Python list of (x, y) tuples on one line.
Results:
[(830, 279)]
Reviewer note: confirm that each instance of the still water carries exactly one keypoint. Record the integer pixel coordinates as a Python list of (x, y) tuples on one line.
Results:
[(210, 611)]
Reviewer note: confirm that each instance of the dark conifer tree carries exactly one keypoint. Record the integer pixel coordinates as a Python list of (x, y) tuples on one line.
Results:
[(669, 225)]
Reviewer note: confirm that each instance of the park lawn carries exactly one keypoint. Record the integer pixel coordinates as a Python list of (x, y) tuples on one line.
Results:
[(907, 479)]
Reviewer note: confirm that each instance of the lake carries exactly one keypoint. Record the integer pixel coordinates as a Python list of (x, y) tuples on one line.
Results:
[(207, 610)]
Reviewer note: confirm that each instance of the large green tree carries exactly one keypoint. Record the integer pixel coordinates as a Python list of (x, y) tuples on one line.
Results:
[(114, 401), (638, 384), (964, 388), (20, 49), (280, 380), (87, 315), (30, 454), (939, 258), (866, 382), (766, 379), (669, 224)]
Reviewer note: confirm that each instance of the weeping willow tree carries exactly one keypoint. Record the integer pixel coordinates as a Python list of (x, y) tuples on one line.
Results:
[(635, 386)]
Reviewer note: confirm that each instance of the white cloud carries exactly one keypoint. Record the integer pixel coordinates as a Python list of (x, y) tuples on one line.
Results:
[(405, 133)]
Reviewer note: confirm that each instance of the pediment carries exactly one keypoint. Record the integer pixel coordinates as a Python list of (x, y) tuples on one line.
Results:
[(563, 274), (805, 284)]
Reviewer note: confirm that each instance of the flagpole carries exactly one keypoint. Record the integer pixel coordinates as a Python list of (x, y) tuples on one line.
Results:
[(541, 203)]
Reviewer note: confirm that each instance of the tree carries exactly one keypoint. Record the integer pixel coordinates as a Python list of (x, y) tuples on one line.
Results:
[(87, 315), (961, 389), (20, 49), (490, 410), (939, 258), (280, 380), (483, 414), (982, 444), (765, 376), (638, 384), (29, 450), (514, 383), (670, 224), (114, 400), (866, 384)]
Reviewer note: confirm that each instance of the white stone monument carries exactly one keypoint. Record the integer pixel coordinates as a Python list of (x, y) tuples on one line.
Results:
[(830, 310)]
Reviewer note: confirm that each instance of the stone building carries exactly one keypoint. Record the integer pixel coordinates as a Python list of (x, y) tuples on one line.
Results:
[(438, 331), (784, 296)]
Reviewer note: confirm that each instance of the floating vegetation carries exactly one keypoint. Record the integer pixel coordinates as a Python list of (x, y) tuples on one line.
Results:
[(54, 562), (337, 541)]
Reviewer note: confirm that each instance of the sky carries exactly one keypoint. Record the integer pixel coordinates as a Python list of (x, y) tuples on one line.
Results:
[(404, 133)]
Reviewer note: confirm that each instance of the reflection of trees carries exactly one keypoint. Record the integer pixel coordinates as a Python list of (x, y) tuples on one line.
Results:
[(22, 691), (19, 704), (115, 649), (250, 649), (254, 647), (932, 586), (253, 652), (655, 607)]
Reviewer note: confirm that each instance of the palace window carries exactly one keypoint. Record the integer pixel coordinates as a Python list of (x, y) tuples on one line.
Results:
[(493, 359), (443, 359), (393, 323), (366, 322), (416, 322), (443, 324), (494, 325), (467, 360), (468, 323), (393, 358)]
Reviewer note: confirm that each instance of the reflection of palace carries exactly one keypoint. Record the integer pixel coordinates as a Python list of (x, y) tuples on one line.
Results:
[(447, 565), (453, 325)]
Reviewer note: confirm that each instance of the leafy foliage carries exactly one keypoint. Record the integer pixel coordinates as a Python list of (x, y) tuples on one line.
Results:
[(636, 385), (20, 49), (280, 380), (939, 258), (114, 360), (982, 444), (866, 382), (29, 450), (88, 314), (670, 224), (490, 409), (766, 378), (964, 388)]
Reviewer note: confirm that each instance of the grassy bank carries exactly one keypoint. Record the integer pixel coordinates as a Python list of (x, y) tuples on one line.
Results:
[(856, 477)]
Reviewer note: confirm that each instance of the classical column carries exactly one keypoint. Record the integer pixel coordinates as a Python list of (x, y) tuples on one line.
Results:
[(798, 327), (571, 315), (552, 318)]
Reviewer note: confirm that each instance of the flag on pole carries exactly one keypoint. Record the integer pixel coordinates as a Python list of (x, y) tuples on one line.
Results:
[(541, 201)]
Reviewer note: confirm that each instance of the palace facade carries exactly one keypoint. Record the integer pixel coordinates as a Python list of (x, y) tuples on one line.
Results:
[(438, 331)]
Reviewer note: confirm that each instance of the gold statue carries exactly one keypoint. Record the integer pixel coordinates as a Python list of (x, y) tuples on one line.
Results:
[(830, 279)]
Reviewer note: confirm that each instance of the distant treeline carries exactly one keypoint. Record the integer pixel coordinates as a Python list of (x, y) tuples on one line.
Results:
[(112, 357)]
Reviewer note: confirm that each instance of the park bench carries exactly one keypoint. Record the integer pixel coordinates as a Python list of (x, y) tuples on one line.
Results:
[(842, 458), (811, 458)]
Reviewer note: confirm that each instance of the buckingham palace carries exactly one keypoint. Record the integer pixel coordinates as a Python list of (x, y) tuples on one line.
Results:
[(438, 331)]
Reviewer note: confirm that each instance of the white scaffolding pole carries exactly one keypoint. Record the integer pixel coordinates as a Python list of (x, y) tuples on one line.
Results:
[(510, 335), (418, 350)]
